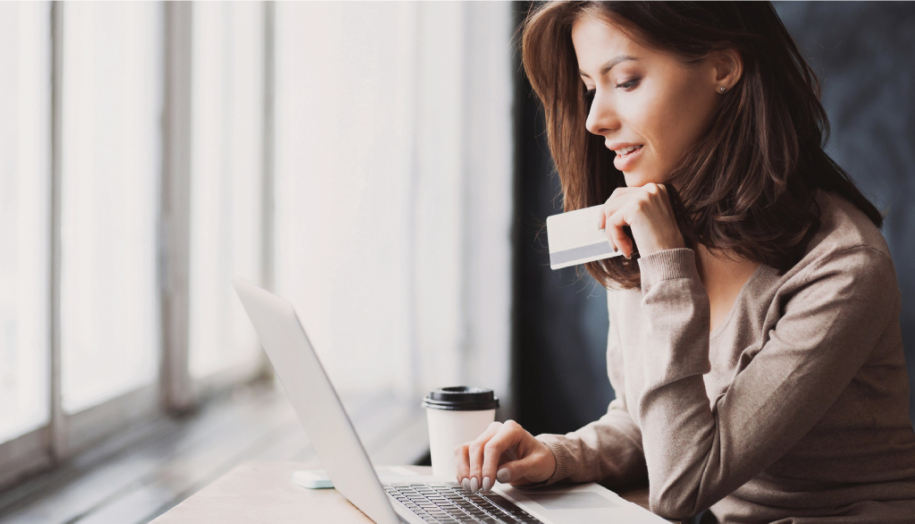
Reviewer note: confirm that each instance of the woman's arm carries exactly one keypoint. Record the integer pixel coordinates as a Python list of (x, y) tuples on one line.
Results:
[(608, 450), (695, 454)]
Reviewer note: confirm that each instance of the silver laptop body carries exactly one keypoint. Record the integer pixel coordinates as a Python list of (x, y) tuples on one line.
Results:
[(384, 500)]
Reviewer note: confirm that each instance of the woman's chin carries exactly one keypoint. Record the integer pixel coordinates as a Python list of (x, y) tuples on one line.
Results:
[(634, 179), (637, 179)]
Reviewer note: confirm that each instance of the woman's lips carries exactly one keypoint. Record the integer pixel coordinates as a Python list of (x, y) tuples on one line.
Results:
[(625, 162)]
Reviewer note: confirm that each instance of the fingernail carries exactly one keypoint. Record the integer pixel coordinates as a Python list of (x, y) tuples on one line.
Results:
[(487, 484), (503, 475), (474, 485), (465, 484)]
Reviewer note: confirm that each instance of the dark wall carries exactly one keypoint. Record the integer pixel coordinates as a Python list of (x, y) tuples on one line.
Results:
[(862, 54), (560, 319)]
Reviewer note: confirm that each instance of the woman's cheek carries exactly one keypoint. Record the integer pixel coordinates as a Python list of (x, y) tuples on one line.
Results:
[(653, 127)]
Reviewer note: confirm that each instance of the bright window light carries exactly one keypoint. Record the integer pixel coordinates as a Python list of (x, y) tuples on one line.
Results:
[(111, 150), (226, 180), (344, 190), (24, 216)]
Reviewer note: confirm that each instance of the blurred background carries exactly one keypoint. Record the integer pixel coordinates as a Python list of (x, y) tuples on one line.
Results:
[(381, 165)]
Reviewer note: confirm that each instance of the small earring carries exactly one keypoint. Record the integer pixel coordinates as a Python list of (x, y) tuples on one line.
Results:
[(723, 89)]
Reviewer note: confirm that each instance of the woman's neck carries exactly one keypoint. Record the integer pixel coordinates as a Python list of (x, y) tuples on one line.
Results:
[(716, 260), (724, 275)]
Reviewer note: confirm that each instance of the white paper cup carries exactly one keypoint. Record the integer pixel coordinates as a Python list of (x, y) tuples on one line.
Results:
[(456, 415)]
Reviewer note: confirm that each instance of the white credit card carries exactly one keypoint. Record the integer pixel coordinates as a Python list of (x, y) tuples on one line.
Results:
[(575, 239)]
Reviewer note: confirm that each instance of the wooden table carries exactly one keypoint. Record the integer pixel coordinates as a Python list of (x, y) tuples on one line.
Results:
[(263, 492)]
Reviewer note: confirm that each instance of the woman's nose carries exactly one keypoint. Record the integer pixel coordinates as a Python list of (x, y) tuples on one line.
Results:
[(601, 117)]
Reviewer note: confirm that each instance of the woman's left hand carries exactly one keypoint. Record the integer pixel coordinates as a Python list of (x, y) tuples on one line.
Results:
[(648, 213)]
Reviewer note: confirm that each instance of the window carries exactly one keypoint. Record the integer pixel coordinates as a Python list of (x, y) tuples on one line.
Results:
[(112, 96), (343, 120), (141, 162), (87, 344), (227, 134), (393, 189), (24, 217)]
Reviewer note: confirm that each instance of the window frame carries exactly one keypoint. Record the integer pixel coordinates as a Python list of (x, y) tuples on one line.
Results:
[(175, 391)]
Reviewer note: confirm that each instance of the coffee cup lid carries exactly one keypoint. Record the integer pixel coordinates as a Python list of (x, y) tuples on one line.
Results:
[(461, 398)]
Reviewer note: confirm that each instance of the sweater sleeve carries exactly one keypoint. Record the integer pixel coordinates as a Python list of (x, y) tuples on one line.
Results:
[(608, 449), (697, 454)]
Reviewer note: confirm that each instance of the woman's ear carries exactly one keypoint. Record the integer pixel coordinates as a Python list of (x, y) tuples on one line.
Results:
[(727, 68)]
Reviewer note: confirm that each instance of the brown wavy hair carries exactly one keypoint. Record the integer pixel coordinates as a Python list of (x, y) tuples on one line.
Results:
[(747, 186)]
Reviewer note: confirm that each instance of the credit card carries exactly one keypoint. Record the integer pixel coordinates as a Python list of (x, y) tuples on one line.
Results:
[(575, 239)]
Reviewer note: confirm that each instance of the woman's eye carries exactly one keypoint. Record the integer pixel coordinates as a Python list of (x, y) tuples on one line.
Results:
[(589, 95), (628, 85)]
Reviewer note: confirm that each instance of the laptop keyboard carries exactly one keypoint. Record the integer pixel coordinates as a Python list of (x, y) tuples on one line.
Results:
[(448, 503)]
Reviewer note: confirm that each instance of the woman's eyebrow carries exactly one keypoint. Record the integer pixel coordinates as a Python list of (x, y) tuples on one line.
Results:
[(609, 64)]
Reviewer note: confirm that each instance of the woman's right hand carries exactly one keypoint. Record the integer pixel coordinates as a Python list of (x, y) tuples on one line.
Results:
[(504, 452)]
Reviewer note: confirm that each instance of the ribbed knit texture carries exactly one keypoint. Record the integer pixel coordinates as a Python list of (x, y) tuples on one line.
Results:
[(796, 411)]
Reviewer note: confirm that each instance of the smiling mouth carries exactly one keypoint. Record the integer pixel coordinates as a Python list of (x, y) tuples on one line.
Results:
[(620, 154)]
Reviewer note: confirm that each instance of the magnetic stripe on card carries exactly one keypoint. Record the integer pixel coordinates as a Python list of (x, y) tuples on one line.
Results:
[(570, 255)]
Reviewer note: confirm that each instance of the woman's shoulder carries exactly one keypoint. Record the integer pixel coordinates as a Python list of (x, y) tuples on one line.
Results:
[(843, 227), (846, 242)]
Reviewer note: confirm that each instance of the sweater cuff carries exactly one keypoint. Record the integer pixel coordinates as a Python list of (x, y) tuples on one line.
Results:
[(560, 454), (668, 264)]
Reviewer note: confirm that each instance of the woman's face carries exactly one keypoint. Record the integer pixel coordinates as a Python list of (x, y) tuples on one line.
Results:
[(643, 98)]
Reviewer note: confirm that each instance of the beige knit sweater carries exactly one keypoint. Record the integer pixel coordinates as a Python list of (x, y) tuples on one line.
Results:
[(794, 410)]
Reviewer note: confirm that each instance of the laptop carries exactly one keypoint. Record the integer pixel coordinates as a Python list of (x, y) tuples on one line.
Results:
[(413, 499)]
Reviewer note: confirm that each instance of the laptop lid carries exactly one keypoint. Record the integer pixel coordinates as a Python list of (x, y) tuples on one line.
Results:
[(315, 401)]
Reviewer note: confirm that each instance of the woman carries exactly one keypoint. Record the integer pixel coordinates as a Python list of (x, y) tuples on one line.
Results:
[(754, 342)]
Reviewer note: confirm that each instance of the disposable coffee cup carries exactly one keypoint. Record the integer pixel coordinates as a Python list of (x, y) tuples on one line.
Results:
[(456, 415)]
